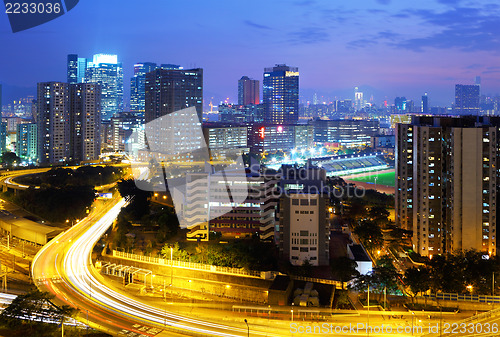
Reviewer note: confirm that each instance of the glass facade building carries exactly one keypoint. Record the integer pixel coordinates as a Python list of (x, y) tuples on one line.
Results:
[(281, 95)]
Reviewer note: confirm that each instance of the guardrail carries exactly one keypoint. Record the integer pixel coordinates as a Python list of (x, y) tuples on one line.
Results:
[(196, 266), (337, 284), (464, 297)]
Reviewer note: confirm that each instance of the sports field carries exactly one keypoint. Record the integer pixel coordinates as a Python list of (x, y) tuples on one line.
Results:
[(383, 178)]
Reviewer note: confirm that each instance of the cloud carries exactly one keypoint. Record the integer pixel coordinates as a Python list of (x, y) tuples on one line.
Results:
[(309, 35), (467, 29), (256, 25), (361, 43)]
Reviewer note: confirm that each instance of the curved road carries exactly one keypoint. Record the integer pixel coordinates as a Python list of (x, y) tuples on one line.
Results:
[(63, 267)]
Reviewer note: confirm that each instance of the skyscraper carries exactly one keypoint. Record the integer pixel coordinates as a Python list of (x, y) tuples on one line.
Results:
[(425, 104), (168, 91), (248, 91), (27, 142), (359, 102), (68, 121), (467, 99), (53, 122), (85, 121), (281, 94), (446, 187), (177, 95), (137, 85), (76, 69), (400, 103), (105, 70), (72, 68)]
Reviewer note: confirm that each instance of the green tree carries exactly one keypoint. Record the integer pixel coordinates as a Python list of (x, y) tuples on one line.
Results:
[(9, 158), (370, 234), (37, 307), (417, 280)]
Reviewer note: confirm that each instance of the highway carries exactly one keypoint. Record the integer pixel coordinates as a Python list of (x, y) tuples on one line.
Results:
[(63, 268)]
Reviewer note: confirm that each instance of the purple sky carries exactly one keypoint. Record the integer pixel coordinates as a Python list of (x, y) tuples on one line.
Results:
[(388, 48)]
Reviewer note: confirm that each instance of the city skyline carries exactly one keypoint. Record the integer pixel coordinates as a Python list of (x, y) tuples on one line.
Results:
[(417, 48)]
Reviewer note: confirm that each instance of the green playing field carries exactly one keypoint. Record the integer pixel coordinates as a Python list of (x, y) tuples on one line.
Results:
[(382, 178)]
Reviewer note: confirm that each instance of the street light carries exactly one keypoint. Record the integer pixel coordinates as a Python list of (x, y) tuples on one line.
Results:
[(248, 328)]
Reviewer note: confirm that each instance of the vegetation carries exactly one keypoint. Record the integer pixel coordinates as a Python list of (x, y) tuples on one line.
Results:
[(82, 176), (383, 277), (10, 158), (461, 272), (33, 314), (249, 254), (55, 204)]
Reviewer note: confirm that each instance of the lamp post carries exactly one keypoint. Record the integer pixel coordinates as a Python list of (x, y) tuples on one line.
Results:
[(248, 328), (368, 318)]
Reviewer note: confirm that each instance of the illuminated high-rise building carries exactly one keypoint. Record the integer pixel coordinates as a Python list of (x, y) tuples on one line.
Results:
[(281, 94), (137, 85), (85, 121), (168, 91), (53, 125), (76, 67), (72, 68), (68, 122), (446, 183), (27, 142), (425, 104), (359, 102), (105, 70), (467, 99), (248, 91), (179, 94)]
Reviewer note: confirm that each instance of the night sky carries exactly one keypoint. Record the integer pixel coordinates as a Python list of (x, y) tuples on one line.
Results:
[(388, 48)]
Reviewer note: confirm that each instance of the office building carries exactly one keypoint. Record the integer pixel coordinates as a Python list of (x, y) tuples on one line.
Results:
[(225, 140), (446, 183), (172, 90), (241, 114), (359, 102), (76, 67), (123, 127), (281, 95), (27, 142), (467, 99), (72, 72), (425, 104), (400, 104), (248, 91), (171, 97), (304, 229), (105, 70), (85, 121), (137, 85), (345, 132)]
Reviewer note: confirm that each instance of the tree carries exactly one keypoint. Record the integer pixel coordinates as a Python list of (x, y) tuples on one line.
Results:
[(417, 280), (370, 234), (31, 311), (9, 158)]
